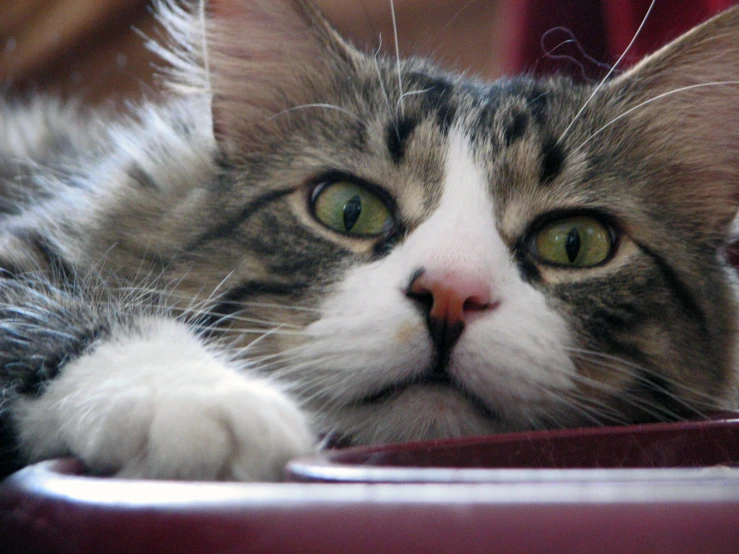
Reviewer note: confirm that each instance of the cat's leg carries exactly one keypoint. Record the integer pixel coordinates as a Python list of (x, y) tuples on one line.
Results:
[(136, 395)]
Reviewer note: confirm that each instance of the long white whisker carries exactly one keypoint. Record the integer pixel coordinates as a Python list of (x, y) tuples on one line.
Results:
[(204, 44), (451, 20), (247, 305), (624, 366), (397, 57), (264, 336), (648, 407), (413, 92), (242, 319), (610, 72), (646, 102), (247, 331), (321, 106), (382, 82), (194, 300), (655, 411)]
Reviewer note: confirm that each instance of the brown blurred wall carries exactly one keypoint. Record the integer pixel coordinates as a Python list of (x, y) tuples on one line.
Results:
[(88, 48)]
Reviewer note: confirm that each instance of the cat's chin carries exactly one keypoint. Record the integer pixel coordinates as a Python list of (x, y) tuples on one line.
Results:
[(419, 411)]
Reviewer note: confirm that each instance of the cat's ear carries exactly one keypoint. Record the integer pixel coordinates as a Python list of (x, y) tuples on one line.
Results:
[(264, 57), (683, 103)]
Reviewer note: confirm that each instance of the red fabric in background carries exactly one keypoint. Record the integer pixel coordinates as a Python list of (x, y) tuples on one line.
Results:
[(602, 30)]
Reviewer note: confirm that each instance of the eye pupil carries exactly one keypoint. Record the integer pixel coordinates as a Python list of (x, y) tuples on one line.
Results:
[(352, 211), (572, 244), (578, 241)]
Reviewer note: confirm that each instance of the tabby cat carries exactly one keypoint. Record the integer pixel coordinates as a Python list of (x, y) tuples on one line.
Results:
[(310, 243)]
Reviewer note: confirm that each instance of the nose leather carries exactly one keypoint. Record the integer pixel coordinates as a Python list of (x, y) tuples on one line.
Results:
[(449, 298)]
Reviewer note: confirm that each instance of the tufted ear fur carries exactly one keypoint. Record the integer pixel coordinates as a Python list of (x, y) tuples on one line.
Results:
[(684, 101), (266, 56)]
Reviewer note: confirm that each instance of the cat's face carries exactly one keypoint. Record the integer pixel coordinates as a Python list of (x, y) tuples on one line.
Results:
[(438, 257)]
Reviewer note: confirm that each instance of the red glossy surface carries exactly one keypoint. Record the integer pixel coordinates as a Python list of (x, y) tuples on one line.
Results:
[(689, 444), (506, 506), (50, 508), (570, 37)]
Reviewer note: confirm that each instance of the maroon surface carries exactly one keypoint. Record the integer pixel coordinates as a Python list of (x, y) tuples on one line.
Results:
[(667, 21), (689, 444), (47, 508), (670, 508), (576, 36)]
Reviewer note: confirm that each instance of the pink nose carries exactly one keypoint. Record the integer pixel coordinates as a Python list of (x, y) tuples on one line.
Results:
[(449, 298), (453, 295)]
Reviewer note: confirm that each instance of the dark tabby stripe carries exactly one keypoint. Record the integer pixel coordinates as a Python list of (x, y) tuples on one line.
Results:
[(436, 98), (57, 265), (225, 229), (142, 177), (679, 289), (397, 133), (516, 128), (385, 246), (527, 269), (232, 301), (552, 161), (538, 103)]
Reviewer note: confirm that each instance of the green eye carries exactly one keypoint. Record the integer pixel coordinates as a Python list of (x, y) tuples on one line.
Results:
[(351, 209), (579, 241)]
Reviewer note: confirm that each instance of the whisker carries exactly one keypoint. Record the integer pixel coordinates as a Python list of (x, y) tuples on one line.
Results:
[(413, 92), (286, 354), (247, 331), (655, 410), (597, 413), (276, 306), (625, 365), (572, 40), (451, 20), (320, 106), (612, 415), (204, 43), (608, 75), (218, 286), (233, 317), (649, 101), (209, 300), (397, 58), (269, 333), (382, 83)]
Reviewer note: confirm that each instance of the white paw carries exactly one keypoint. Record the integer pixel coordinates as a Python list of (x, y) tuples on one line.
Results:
[(241, 431), (158, 404)]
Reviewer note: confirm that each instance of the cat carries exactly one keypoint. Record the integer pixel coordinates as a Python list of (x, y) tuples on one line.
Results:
[(307, 243)]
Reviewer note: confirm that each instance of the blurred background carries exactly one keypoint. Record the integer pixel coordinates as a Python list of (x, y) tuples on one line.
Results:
[(93, 50)]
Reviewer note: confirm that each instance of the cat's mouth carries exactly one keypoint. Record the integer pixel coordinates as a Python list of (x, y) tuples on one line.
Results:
[(437, 380), (434, 379)]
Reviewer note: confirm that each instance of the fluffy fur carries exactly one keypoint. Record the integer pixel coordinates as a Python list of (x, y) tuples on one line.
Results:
[(173, 307)]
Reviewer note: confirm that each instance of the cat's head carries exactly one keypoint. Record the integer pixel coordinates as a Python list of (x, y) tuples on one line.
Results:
[(433, 256)]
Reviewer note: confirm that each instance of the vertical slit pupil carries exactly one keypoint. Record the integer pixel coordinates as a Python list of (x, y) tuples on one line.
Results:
[(352, 211), (572, 244)]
